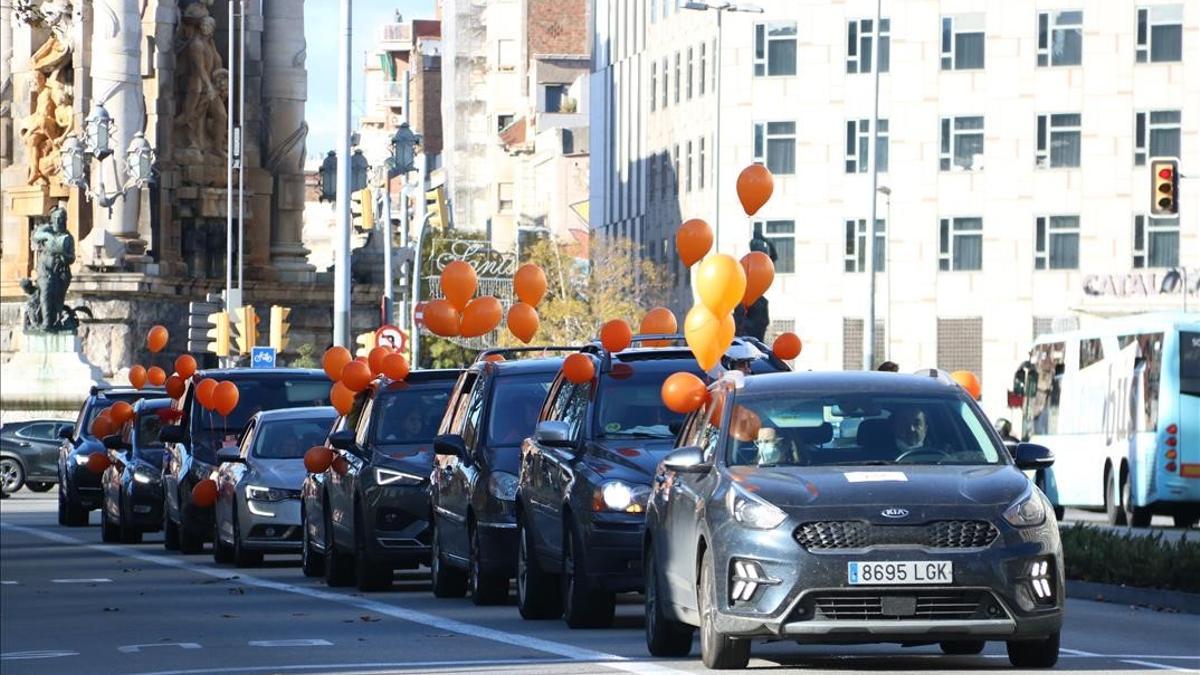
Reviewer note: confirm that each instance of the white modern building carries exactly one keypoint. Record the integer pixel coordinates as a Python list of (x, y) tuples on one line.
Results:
[(1015, 189)]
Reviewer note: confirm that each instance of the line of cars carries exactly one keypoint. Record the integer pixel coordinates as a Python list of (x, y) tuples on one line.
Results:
[(814, 507)]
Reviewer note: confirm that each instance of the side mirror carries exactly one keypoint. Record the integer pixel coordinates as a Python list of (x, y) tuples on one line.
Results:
[(115, 443), (553, 434), (450, 445), (229, 453), (342, 440), (1031, 456), (66, 433), (689, 459), (171, 433)]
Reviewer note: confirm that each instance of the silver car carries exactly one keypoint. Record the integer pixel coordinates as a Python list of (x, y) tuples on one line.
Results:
[(258, 484)]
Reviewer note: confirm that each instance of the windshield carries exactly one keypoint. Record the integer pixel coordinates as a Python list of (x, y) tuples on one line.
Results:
[(290, 439), (210, 431), (146, 436), (99, 403), (630, 402), (857, 429), (1189, 363), (411, 413), (516, 404)]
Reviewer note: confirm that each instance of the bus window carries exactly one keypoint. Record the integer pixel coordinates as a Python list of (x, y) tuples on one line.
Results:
[(1048, 363), (1150, 356), (1189, 363), (1090, 351)]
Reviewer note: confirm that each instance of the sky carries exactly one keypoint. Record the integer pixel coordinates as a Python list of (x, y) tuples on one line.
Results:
[(321, 34)]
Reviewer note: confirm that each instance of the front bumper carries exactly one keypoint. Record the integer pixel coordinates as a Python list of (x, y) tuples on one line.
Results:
[(396, 524), (83, 486), (144, 506), (271, 526), (612, 545)]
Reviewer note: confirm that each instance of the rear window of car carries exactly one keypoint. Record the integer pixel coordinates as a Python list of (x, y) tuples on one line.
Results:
[(410, 413), (516, 403), (210, 431), (290, 439)]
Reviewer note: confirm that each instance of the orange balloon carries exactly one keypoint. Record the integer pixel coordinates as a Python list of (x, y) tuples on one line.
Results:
[(481, 316), (225, 397), (721, 283), (441, 318), (760, 272), (157, 339), (204, 392), (754, 187), (317, 459), (103, 425), (530, 284), (156, 376), (185, 365), (744, 424), (334, 360), (523, 321), (659, 320), (356, 376), (395, 367), (458, 284), (204, 494), (137, 377), (340, 466), (616, 335), (494, 358), (97, 462), (707, 335), (693, 240), (341, 398), (578, 368), (121, 412), (175, 386), (969, 381), (684, 392), (787, 346), (375, 359)]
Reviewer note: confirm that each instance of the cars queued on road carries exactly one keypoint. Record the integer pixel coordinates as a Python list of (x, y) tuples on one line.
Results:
[(29, 453), (811, 507)]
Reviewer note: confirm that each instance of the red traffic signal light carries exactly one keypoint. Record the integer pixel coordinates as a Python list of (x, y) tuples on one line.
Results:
[(1164, 177), (1166, 173)]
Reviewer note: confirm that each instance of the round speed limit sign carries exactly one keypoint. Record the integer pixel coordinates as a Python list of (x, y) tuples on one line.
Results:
[(391, 337)]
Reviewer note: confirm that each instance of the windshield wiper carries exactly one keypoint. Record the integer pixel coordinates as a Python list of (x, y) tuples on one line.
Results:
[(635, 434), (869, 462)]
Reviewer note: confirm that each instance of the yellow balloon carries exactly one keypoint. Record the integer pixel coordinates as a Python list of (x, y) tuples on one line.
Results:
[(708, 335), (721, 283)]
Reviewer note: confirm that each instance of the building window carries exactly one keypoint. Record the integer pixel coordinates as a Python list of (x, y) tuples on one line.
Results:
[(860, 40), (652, 177), (678, 74), (675, 161), (687, 167), (858, 143), (653, 11), (1060, 38), (775, 146), (1058, 139), (1056, 243), (653, 86), (666, 88), (503, 122), (960, 244), (962, 42), (506, 55), (775, 48), (782, 235), (856, 245), (703, 65), (852, 343), (1155, 242), (1161, 135), (689, 74), (700, 166), (504, 192), (555, 95), (1160, 34), (960, 345), (716, 61), (667, 176), (962, 143)]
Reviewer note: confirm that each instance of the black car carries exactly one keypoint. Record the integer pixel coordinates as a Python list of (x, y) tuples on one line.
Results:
[(29, 454), (850, 508), (585, 476), (132, 502), (192, 442), (374, 507), (312, 514), (492, 411), (78, 487)]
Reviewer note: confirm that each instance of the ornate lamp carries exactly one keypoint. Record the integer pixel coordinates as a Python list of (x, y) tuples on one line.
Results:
[(72, 154), (327, 176), (96, 144), (358, 170), (98, 132), (140, 160), (404, 143)]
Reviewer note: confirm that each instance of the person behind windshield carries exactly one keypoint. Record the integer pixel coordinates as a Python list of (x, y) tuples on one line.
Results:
[(772, 450), (910, 428)]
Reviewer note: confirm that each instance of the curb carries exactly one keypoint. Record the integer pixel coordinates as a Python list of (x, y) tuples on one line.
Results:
[(1152, 598)]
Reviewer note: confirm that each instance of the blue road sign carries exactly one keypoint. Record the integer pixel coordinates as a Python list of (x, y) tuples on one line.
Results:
[(262, 357)]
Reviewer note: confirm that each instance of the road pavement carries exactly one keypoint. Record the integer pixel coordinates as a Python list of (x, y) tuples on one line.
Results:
[(70, 604)]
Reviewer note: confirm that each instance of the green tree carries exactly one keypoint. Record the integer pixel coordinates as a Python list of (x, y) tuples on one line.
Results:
[(305, 357), (439, 352)]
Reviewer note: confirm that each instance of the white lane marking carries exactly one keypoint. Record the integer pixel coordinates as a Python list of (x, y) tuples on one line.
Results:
[(301, 642), (1075, 652), (6, 582), (341, 667), (1160, 666), (133, 649), (36, 654), (569, 651), (81, 581)]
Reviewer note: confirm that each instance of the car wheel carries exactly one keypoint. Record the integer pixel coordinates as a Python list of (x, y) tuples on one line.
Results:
[(718, 651), (170, 530), (583, 605), (73, 515), (539, 595), (962, 647), (1034, 653), (448, 582), (129, 534), (1136, 516), (109, 532), (39, 486), (312, 564), (372, 575), (62, 505), (12, 475), (664, 636), (486, 589), (1112, 499), (339, 568), (190, 540), (222, 554), (242, 556)]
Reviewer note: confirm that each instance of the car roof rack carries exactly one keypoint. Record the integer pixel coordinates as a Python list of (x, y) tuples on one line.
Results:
[(522, 350), (761, 351)]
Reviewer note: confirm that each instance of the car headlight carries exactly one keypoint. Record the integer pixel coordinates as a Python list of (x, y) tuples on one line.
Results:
[(269, 494), (81, 459), (619, 496), (753, 512), (390, 476), (1028, 511), (142, 477), (503, 486)]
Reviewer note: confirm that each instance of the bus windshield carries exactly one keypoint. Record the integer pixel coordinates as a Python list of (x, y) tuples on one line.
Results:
[(1189, 363)]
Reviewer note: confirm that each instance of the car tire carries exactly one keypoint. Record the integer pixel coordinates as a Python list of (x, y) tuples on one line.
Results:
[(12, 474), (962, 647), (312, 564), (222, 553), (718, 651), (584, 606), (1136, 516), (190, 540), (447, 582), (1034, 653), (72, 515), (242, 556), (62, 505), (170, 531), (539, 595), (39, 485), (110, 533), (485, 589), (664, 636), (339, 567), (371, 575), (1112, 499)]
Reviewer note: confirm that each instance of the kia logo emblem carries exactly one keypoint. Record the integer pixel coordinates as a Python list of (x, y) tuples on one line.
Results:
[(894, 513)]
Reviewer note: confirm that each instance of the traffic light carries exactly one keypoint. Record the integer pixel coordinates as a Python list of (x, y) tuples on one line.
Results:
[(366, 342), (439, 214), (247, 328), (219, 333), (198, 322), (366, 198), (279, 327), (1164, 183)]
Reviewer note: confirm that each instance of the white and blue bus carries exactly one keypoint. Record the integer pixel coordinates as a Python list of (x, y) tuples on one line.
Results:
[(1119, 404)]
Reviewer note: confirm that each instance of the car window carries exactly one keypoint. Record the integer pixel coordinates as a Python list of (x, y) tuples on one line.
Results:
[(405, 413), (474, 415), (460, 404), (290, 439), (557, 405), (247, 438), (516, 402), (575, 408), (210, 431), (629, 403), (148, 427), (362, 431), (708, 432), (39, 431)]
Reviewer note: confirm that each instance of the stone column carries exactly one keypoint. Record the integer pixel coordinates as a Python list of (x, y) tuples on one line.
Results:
[(156, 224), (6, 89), (284, 92)]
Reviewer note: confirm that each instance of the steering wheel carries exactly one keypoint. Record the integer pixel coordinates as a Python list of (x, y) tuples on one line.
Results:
[(922, 451)]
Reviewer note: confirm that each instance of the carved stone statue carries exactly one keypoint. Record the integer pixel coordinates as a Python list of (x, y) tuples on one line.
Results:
[(218, 118), (199, 61), (43, 130), (56, 252)]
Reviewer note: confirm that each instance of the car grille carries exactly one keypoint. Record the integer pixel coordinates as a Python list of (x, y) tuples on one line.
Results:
[(854, 534), (927, 605)]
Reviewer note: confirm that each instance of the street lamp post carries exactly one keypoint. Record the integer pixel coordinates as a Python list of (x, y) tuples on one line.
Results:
[(341, 278), (720, 7), (887, 269), (403, 145), (873, 160), (96, 144)]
